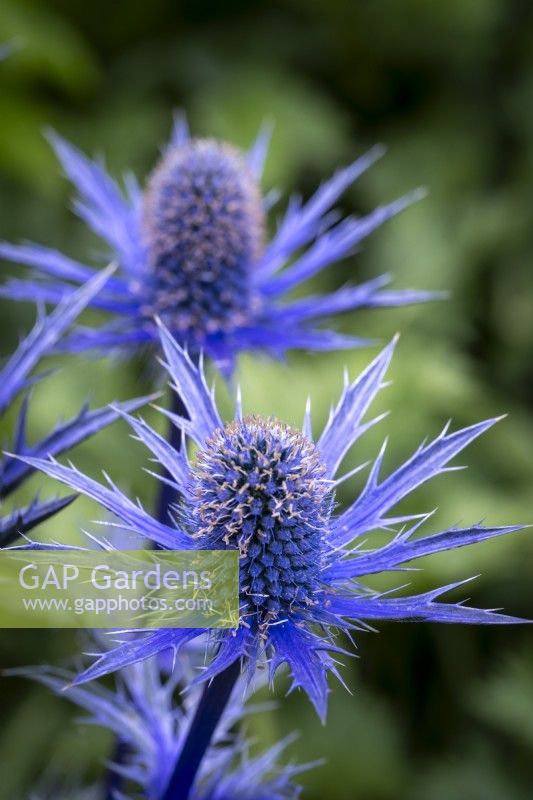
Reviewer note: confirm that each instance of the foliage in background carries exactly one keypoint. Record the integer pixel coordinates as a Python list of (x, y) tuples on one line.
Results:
[(436, 715)]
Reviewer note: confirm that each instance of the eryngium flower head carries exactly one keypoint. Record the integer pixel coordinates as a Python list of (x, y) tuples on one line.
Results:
[(203, 227), (261, 487), (152, 727), (191, 248)]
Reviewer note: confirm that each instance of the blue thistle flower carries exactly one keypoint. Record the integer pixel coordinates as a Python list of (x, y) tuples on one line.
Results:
[(143, 714), (268, 490), (15, 377), (191, 248)]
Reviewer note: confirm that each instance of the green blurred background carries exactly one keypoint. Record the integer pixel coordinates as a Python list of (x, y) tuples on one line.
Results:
[(437, 713)]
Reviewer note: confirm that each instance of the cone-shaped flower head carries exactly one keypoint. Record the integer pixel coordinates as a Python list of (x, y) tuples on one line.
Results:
[(204, 227), (260, 486), (268, 490), (191, 248)]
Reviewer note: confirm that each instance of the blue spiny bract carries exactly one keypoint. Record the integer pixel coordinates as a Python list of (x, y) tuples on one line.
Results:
[(15, 378), (143, 714)]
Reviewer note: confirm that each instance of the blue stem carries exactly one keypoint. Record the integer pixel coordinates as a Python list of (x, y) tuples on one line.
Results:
[(206, 718), (113, 781), (167, 496)]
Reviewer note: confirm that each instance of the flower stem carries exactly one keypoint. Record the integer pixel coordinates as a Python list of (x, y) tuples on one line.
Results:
[(206, 718), (168, 495), (113, 780)]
